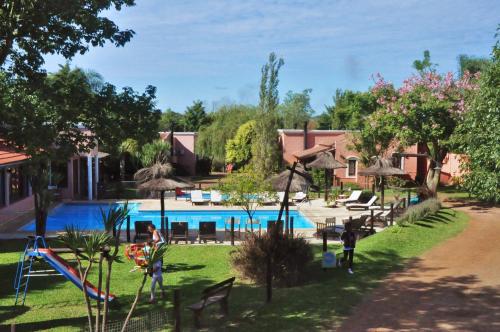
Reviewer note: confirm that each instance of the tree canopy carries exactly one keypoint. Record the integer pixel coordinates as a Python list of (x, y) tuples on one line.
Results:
[(349, 110), (195, 116), (32, 29), (478, 135), (296, 109), (472, 64), (171, 120), (239, 148)]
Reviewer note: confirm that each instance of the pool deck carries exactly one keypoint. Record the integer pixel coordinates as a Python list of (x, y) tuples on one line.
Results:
[(314, 210)]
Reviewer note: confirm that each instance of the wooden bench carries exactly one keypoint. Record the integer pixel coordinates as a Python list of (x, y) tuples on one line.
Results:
[(218, 293), (329, 226)]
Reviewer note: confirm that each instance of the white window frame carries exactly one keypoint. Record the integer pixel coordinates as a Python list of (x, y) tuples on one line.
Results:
[(355, 169)]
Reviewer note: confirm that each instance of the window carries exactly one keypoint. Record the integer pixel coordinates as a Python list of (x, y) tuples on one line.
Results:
[(351, 167), (398, 162)]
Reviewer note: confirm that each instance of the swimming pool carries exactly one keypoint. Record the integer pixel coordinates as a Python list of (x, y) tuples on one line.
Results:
[(87, 217)]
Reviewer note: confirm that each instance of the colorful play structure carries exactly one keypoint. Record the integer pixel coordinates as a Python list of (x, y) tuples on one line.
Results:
[(36, 249)]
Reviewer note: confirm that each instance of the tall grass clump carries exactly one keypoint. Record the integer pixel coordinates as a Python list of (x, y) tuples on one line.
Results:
[(289, 257), (420, 211)]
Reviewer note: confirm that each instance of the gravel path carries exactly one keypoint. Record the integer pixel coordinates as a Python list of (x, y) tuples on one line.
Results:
[(453, 287)]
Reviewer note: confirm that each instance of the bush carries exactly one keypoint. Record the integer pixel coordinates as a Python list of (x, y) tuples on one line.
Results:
[(352, 186), (420, 211), (365, 196), (289, 257)]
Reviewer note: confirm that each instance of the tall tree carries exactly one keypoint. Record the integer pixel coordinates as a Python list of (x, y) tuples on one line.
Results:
[(472, 64), (296, 109), (478, 136), (171, 120), (224, 122), (425, 110), (350, 109), (239, 148), (265, 148), (195, 116), (32, 29)]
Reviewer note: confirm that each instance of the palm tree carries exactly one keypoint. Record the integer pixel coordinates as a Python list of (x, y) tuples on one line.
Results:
[(84, 247), (127, 147), (156, 255), (157, 151), (112, 219)]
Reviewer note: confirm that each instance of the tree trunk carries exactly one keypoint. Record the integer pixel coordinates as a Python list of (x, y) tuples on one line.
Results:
[(137, 296), (435, 165), (99, 290), (83, 278), (106, 296)]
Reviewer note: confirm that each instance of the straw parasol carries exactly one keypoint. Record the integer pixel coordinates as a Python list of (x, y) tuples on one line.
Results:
[(299, 183), (326, 161), (162, 185), (382, 167)]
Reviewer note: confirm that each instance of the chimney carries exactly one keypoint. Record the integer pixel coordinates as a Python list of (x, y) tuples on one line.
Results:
[(305, 135)]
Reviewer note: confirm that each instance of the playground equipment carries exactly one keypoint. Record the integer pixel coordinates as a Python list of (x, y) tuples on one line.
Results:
[(37, 249), (135, 251)]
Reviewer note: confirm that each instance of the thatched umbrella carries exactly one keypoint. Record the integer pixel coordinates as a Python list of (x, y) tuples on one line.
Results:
[(381, 167), (326, 161), (162, 185), (299, 183)]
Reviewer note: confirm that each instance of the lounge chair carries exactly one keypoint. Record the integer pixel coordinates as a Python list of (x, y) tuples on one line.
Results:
[(179, 194), (268, 199), (141, 229), (215, 197), (207, 231), (329, 226), (300, 197), (237, 228), (364, 206), (197, 197), (281, 196), (354, 197), (253, 226), (179, 231)]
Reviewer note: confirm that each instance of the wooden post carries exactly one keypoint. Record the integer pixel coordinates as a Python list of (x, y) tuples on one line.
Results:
[(128, 229), (177, 310), (409, 198), (326, 184), (392, 214), (373, 187), (404, 203), (291, 227), (287, 217), (269, 279), (325, 241), (232, 231), (13, 327), (199, 185), (371, 219), (162, 212), (166, 229), (341, 186)]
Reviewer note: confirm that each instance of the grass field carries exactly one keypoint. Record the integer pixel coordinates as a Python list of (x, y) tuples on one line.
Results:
[(322, 302)]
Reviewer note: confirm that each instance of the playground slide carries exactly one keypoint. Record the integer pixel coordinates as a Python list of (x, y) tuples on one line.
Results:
[(70, 273)]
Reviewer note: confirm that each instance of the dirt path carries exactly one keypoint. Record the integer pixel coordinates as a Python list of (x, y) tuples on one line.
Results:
[(453, 287)]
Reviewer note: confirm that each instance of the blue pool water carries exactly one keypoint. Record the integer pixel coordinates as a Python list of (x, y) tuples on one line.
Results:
[(87, 216)]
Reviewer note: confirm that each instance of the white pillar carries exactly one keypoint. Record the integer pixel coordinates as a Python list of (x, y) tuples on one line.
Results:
[(7, 188), (89, 177), (96, 174)]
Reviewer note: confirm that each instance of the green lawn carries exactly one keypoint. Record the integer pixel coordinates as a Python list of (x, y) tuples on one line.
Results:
[(321, 303)]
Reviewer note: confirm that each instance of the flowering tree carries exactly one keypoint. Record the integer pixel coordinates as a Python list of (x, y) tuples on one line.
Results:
[(425, 109)]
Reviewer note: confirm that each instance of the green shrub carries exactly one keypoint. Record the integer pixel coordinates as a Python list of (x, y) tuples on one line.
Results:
[(365, 196), (420, 211), (289, 256), (352, 186)]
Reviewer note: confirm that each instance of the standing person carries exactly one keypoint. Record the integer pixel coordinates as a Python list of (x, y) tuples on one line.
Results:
[(348, 237), (155, 272), (155, 235)]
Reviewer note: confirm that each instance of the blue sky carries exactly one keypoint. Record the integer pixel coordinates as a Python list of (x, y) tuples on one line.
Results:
[(213, 50)]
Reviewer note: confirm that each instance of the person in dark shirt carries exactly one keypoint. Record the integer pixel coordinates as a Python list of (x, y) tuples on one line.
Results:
[(348, 237)]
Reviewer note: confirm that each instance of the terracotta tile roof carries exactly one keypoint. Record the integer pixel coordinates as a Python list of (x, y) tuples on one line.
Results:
[(314, 151), (7, 156)]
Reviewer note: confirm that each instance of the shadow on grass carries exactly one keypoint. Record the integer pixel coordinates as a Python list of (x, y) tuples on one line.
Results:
[(180, 267)]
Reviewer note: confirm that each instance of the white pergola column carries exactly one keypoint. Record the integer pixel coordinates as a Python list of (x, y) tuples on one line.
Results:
[(96, 174), (89, 177)]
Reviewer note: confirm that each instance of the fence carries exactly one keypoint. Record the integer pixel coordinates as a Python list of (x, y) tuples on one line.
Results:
[(149, 322)]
